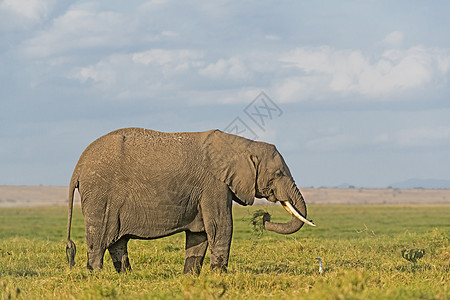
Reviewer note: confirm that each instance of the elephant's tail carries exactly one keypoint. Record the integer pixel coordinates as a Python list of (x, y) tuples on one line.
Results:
[(71, 249)]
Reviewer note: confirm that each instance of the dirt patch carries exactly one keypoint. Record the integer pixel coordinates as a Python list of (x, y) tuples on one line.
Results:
[(375, 196), (11, 196), (35, 196), (371, 196)]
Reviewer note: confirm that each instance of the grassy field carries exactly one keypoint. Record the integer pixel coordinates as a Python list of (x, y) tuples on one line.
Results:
[(360, 247)]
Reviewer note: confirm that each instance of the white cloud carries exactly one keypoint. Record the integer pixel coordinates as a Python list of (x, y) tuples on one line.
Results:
[(346, 72), (153, 5), (419, 137), (118, 77), (298, 88), (397, 139), (82, 26), (309, 73), (104, 72), (221, 96), (31, 9), (164, 57), (171, 62), (232, 68), (410, 138), (141, 74), (394, 39), (163, 73), (90, 26), (24, 13)]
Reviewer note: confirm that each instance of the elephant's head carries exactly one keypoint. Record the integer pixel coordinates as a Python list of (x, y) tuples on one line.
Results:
[(275, 183), (256, 169)]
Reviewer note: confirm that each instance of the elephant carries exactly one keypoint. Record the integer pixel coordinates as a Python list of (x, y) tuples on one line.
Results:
[(138, 183)]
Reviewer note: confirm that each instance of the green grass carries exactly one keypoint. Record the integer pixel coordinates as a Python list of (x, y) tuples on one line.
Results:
[(360, 247)]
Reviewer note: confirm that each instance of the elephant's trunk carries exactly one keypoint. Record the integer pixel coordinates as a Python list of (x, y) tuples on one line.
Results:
[(292, 200)]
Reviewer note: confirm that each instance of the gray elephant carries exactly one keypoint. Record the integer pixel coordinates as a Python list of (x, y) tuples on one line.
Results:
[(143, 184)]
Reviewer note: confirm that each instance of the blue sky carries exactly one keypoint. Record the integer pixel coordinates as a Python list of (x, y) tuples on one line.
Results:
[(362, 86)]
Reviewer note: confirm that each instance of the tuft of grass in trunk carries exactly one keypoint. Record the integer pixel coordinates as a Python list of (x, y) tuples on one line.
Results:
[(258, 223), (413, 255)]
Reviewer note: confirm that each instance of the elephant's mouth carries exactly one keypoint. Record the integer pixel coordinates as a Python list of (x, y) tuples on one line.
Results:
[(271, 197), (293, 211)]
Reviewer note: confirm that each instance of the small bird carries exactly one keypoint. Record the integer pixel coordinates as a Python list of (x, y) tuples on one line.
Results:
[(320, 265)]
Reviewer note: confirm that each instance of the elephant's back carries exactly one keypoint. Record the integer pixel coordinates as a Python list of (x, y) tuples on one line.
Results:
[(146, 144), (139, 153), (161, 139)]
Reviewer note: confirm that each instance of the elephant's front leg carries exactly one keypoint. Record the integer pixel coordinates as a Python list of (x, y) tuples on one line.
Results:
[(196, 244), (219, 229)]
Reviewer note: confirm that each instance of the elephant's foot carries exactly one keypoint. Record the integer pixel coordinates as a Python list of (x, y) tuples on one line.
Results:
[(95, 259), (193, 265), (219, 263), (126, 267), (122, 266), (219, 268), (119, 256)]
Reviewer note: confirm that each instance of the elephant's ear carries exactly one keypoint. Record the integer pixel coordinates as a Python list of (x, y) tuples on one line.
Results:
[(228, 157)]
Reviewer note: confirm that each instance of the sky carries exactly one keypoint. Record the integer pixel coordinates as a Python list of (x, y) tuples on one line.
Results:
[(350, 91)]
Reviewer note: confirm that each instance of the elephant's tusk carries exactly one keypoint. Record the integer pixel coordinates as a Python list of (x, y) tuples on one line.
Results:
[(286, 208), (290, 209)]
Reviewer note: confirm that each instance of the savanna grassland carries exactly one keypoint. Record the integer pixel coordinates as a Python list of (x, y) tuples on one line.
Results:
[(360, 246)]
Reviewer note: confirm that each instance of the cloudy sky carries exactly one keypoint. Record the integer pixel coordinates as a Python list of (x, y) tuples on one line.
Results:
[(359, 89)]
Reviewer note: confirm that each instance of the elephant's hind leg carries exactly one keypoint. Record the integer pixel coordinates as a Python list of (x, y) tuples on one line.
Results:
[(119, 255), (196, 244), (95, 258), (95, 251)]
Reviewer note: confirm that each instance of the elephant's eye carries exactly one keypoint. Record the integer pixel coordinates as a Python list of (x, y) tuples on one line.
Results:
[(278, 173)]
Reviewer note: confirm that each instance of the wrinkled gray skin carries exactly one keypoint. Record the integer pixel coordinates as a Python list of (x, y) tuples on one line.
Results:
[(142, 184)]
